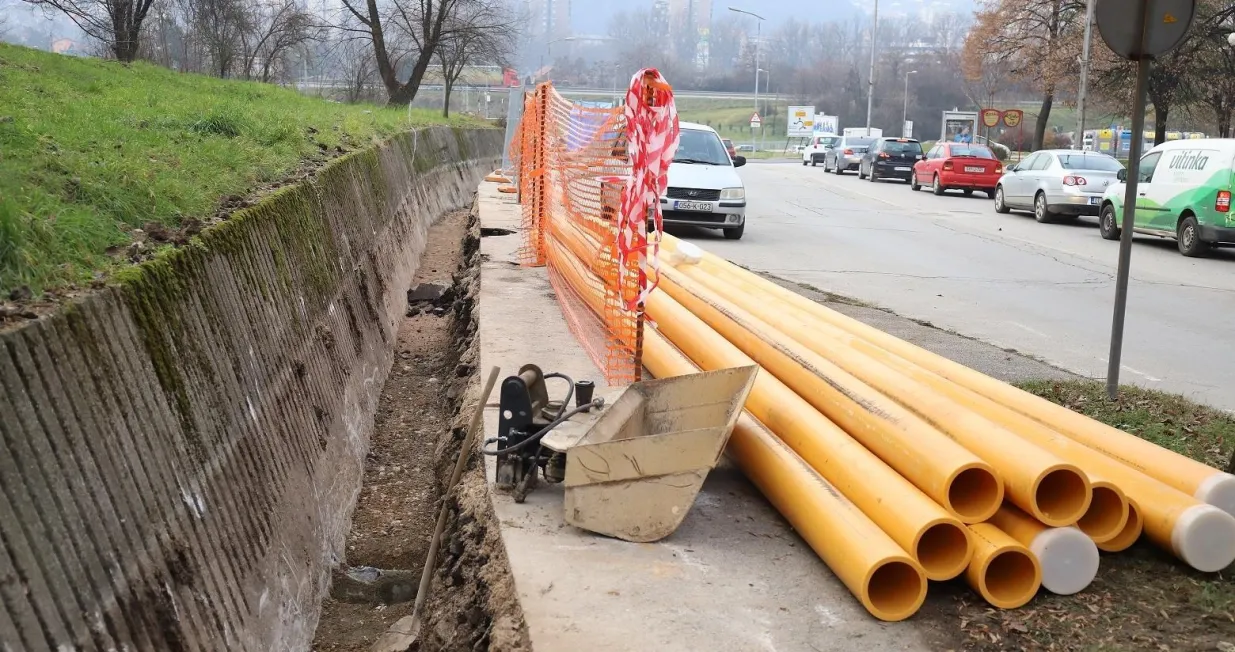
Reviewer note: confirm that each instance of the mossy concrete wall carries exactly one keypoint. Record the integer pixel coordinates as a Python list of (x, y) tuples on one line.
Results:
[(180, 453)]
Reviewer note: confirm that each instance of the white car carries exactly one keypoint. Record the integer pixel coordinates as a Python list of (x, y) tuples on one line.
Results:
[(819, 145), (704, 187)]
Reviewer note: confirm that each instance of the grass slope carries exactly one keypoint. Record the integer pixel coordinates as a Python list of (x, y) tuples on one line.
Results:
[(92, 149)]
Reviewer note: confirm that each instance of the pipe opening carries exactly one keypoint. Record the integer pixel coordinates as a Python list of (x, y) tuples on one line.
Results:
[(944, 550), (1105, 518), (1128, 535), (895, 590), (1011, 579), (974, 495), (1061, 497)]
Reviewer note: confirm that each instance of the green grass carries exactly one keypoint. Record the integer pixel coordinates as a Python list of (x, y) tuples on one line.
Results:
[(92, 149), (1168, 420)]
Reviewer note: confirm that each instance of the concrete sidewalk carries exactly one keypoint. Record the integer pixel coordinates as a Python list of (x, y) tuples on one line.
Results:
[(734, 576)]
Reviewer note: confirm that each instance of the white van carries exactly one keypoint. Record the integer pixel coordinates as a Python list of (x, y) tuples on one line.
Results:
[(1184, 193), (818, 146), (704, 187)]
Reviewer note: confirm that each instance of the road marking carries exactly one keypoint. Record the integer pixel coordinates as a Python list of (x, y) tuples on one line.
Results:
[(1031, 330), (1152, 379)]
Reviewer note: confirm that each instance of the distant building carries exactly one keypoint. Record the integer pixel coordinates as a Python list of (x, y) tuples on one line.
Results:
[(549, 19), (690, 25)]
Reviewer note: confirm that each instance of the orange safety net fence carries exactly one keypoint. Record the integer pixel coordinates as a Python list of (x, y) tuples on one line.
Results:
[(572, 168)]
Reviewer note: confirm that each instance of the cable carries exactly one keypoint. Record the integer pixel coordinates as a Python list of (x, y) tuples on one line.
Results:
[(597, 403), (570, 392)]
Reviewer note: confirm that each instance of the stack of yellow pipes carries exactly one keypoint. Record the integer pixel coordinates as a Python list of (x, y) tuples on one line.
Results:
[(899, 466)]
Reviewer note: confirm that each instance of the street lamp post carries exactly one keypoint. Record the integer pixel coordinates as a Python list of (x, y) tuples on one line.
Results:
[(1079, 142), (905, 112), (758, 42), (870, 92)]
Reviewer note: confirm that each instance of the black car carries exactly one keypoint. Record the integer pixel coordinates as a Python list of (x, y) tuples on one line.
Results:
[(890, 158)]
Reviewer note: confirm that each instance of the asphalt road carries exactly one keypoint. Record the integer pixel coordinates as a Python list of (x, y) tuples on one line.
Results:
[(1042, 289)]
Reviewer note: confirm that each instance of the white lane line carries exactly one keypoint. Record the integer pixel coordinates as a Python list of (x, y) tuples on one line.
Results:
[(1030, 330), (1152, 379)]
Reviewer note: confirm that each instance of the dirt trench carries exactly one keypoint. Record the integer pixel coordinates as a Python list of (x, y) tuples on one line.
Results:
[(422, 415)]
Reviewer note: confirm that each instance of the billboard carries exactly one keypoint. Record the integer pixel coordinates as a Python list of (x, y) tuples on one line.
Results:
[(801, 123), (827, 124), (959, 126)]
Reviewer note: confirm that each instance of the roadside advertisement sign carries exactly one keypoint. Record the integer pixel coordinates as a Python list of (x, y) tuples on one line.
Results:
[(959, 126), (1012, 118), (991, 117), (827, 124), (801, 122)]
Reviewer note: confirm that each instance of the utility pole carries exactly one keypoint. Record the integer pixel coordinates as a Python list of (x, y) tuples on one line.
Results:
[(905, 112), (870, 91), (1079, 143), (758, 43)]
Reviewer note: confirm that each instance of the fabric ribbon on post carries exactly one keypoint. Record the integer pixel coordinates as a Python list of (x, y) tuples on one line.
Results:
[(651, 142)]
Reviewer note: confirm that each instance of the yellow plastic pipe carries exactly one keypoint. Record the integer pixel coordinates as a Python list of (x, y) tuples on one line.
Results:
[(1203, 482), (932, 536), (1201, 535), (1068, 559), (1054, 491), (1108, 509), (880, 575), (1003, 571), (1131, 532), (950, 474)]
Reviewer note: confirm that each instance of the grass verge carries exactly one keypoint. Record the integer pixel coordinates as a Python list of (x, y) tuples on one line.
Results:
[(1142, 599), (91, 150)]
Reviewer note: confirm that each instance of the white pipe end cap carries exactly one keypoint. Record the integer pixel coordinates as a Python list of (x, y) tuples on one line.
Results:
[(1068, 558), (1204, 537), (687, 253), (1218, 490)]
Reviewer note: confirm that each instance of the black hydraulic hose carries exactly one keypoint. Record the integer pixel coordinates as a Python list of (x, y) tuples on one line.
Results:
[(570, 391), (597, 403)]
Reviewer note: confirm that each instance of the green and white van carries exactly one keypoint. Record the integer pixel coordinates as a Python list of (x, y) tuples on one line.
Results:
[(1184, 193)]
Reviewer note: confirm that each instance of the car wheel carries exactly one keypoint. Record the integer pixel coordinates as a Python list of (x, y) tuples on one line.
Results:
[(968, 193), (990, 193), (1189, 238), (1108, 224), (1040, 211), (873, 178), (735, 234), (839, 172), (913, 182), (812, 162), (1001, 206), (861, 172), (936, 186)]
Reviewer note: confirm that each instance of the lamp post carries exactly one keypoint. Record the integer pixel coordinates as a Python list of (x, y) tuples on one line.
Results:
[(1079, 141), (758, 43), (905, 112), (870, 92)]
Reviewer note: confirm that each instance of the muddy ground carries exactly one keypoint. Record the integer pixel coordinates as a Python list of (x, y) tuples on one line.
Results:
[(422, 415)]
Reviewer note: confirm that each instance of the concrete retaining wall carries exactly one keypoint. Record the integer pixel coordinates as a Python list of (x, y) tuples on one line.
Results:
[(180, 454)]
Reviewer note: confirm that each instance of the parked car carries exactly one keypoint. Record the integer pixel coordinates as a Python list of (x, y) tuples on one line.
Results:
[(958, 166), (890, 158), (1184, 192), (1057, 182), (819, 145), (704, 188), (846, 154), (729, 147)]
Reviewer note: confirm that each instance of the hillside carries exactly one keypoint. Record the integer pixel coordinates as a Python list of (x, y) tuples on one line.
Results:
[(92, 150)]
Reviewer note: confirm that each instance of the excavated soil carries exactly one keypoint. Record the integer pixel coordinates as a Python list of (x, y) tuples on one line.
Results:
[(421, 419)]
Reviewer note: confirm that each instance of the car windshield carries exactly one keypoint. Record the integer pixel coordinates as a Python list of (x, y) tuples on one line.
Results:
[(970, 150), (859, 142), (898, 147), (827, 141), (1089, 162), (701, 147)]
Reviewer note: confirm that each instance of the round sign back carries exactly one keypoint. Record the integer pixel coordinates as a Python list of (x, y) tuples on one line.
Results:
[(1166, 24)]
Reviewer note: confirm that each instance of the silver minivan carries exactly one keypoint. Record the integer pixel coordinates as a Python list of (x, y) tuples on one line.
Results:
[(1057, 183)]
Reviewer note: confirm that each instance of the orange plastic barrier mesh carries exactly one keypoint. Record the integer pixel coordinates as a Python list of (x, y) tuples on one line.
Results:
[(572, 165)]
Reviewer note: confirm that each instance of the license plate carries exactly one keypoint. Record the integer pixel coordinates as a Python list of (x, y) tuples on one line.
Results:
[(1093, 201), (975, 170), (902, 169), (701, 206)]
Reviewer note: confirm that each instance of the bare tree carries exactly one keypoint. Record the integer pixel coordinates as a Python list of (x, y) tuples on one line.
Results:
[(423, 25), (275, 28), (471, 39), (115, 23), (1034, 39)]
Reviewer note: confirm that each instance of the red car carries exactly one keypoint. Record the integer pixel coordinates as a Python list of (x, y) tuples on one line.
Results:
[(958, 166), (733, 152)]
